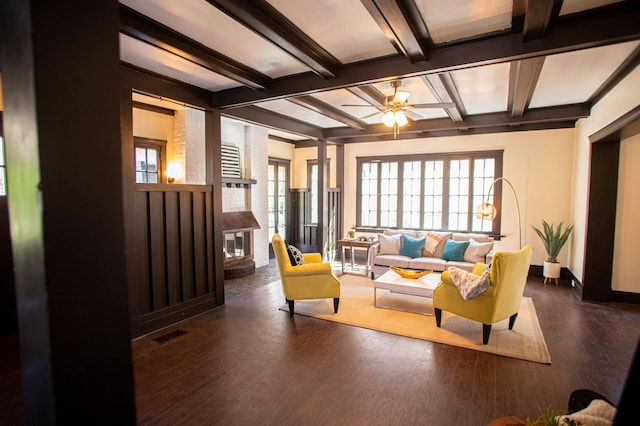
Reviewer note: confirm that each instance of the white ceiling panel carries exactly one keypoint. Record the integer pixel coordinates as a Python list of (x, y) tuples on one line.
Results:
[(342, 27), (205, 24), (457, 19), (483, 89), (338, 98), (574, 6), (162, 62), (573, 77), (298, 112)]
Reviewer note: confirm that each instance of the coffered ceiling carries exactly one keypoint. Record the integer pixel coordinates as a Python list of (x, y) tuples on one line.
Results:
[(293, 65)]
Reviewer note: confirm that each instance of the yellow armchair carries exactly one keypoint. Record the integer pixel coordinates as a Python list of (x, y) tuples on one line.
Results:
[(501, 300), (313, 280)]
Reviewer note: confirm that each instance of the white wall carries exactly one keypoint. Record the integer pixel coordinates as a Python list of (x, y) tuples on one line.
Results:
[(619, 101), (153, 125), (537, 163)]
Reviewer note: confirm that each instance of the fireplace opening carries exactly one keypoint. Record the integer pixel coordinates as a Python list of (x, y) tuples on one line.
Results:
[(237, 231)]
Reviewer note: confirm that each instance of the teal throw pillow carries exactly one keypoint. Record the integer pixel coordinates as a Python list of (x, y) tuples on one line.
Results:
[(412, 247), (454, 250)]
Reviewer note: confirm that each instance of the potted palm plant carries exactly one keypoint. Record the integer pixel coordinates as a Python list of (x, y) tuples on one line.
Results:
[(553, 238)]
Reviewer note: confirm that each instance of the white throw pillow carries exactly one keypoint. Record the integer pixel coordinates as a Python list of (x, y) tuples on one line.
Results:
[(477, 252), (389, 244)]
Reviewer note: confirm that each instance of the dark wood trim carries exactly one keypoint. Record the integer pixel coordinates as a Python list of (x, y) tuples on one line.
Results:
[(601, 221), (157, 85), (213, 143), (537, 19), (139, 27), (390, 17), (615, 128), (268, 22), (610, 25), (625, 297), (532, 116), (629, 64), (523, 79), (369, 94), (445, 90), (263, 117), (330, 111), (153, 108)]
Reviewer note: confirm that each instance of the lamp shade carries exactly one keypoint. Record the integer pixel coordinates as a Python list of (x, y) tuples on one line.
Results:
[(401, 118), (486, 211), (389, 119)]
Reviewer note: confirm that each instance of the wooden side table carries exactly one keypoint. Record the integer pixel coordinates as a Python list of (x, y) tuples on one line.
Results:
[(353, 244)]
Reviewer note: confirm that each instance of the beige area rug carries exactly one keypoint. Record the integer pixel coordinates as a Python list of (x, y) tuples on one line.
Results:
[(525, 341)]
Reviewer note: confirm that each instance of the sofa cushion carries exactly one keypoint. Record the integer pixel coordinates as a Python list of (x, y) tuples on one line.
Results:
[(432, 263), (481, 238), (392, 259), (454, 250), (389, 244), (477, 252), (411, 247), (410, 233)]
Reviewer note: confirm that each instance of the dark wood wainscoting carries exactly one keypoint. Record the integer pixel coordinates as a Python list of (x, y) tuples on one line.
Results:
[(174, 254)]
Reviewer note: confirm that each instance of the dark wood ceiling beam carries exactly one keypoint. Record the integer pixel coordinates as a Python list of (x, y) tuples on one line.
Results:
[(330, 111), (444, 90), (523, 78), (618, 75), (614, 24), (540, 115), (536, 20), (407, 135), (151, 32), (272, 120), (369, 94), (390, 17), (263, 19)]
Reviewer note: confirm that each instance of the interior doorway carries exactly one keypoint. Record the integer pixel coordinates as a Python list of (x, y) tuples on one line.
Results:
[(278, 187)]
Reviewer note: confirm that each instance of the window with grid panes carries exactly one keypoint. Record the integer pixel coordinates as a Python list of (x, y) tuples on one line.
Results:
[(435, 191)]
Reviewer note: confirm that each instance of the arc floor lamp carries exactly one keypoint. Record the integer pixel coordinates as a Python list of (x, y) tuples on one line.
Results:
[(488, 211)]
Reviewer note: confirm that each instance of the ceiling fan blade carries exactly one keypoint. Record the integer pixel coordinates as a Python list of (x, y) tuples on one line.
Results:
[(352, 105), (370, 115), (434, 105)]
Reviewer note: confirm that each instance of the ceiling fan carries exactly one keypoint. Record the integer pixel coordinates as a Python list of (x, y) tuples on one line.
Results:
[(395, 106)]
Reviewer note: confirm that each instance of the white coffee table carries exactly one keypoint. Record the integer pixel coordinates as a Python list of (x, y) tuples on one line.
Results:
[(393, 282)]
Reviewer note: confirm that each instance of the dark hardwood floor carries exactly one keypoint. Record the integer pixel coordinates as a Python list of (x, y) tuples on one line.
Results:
[(247, 363)]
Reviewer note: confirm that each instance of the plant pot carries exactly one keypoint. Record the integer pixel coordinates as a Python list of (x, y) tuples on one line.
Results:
[(551, 269)]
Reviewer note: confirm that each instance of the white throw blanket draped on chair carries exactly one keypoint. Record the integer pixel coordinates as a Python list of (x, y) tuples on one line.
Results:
[(469, 284)]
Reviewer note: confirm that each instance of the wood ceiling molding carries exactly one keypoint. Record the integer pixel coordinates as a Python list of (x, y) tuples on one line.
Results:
[(369, 94), (523, 79), (444, 90), (401, 23), (610, 25), (330, 111), (493, 120), (151, 32), (266, 118), (536, 20), (265, 20), (618, 75)]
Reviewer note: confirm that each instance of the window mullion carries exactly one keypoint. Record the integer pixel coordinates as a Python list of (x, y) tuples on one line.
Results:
[(445, 193), (470, 208)]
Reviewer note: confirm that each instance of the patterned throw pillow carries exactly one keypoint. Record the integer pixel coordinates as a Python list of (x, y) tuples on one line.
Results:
[(295, 255), (433, 240)]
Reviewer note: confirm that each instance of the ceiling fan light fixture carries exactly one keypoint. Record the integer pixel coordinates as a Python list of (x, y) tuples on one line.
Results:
[(401, 97), (401, 118), (389, 119)]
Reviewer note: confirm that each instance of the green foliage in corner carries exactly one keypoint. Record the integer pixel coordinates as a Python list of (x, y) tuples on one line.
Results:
[(553, 238)]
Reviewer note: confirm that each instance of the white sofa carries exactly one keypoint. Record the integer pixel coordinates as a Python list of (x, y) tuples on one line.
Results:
[(390, 250)]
